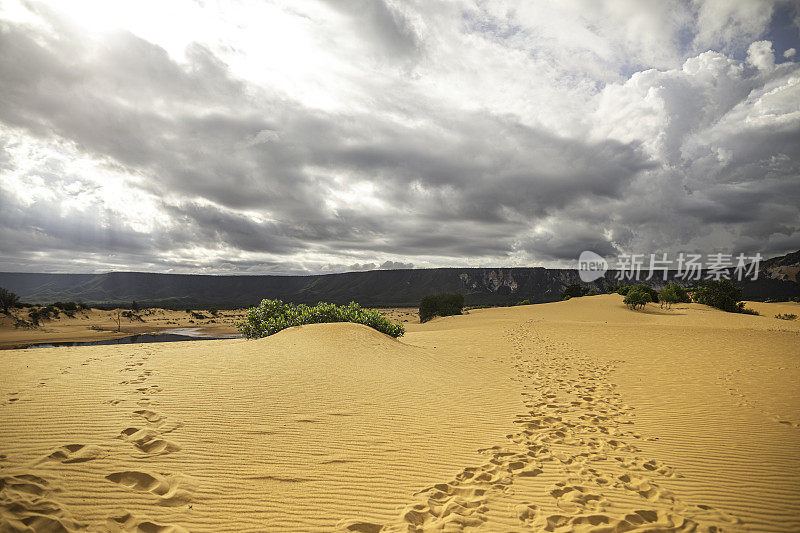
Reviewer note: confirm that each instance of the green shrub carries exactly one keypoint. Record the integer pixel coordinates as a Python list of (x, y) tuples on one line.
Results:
[(722, 294), (66, 306), (681, 293), (796, 299), (787, 316), (672, 294), (43, 313), (641, 287), (272, 316), (637, 299), (523, 302), (443, 304), (8, 300), (592, 293), (572, 291), (647, 289)]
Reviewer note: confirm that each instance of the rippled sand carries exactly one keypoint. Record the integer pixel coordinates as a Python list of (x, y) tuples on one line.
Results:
[(578, 415)]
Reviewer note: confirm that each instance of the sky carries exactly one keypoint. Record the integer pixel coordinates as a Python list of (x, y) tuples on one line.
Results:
[(313, 136)]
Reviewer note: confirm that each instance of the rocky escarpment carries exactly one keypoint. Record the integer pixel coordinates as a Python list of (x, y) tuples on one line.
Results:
[(784, 268), (480, 286)]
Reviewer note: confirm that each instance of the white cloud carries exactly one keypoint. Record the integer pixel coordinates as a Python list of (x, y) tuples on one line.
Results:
[(730, 24), (761, 55), (790, 53)]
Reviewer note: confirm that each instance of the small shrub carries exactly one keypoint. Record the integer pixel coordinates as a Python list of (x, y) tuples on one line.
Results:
[(740, 308), (33, 314), (443, 304), (573, 291), (637, 299), (786, 316), (523, 302), (623, 290), (681, 293), (66, 306), (272, 316), (41, 314), (672, 294), (796, 299), (592, 293), (647, 289), (8, 300), (722, 294)]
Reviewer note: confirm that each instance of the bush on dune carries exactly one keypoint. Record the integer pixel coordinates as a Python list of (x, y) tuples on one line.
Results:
[(722, 294), (8, 300), (272, 316), (66, 306), (673, 294), (444, 304), (637, 299), (573, 291), (623, 290)]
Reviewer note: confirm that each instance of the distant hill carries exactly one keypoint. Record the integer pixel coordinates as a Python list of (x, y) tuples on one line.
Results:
[(778, 280)]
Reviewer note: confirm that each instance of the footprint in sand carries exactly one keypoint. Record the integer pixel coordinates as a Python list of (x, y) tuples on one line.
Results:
[(527, 514), (152, 417), (76, 453), (576, 498), (26, 506), (152, 389), (129, 523), (359, 526), (646, 520), (645, 488), (166, 489), (27, 484), (149, 441)]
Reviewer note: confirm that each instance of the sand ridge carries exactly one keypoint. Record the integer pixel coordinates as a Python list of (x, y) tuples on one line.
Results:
[(579, 415)]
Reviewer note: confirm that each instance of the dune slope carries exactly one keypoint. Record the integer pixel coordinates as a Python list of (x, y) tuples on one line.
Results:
[(578, 415)]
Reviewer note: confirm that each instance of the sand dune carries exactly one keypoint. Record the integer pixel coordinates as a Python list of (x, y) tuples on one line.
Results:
[(578, 415)]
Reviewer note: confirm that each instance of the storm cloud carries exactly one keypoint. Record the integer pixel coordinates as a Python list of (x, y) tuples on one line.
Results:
[(394, 135)]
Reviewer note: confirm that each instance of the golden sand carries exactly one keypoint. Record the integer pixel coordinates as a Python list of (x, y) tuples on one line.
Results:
[(579, 415)]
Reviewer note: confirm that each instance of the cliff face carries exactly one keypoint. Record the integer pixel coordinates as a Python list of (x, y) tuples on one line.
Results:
[(785, 268), (480, 286)]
